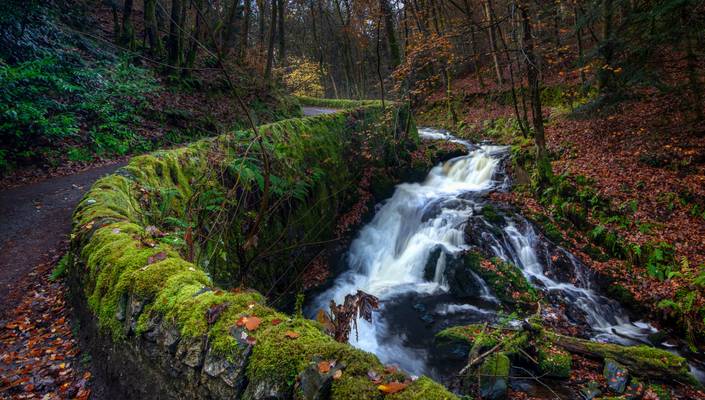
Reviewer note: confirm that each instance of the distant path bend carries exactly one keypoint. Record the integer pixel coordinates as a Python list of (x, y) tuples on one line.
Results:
[(311, 111)]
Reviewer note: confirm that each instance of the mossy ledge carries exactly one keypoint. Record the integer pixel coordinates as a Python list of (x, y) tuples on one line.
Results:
[(148, 316)]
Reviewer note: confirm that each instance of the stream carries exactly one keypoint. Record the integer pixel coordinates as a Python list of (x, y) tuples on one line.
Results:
[(405, 255)]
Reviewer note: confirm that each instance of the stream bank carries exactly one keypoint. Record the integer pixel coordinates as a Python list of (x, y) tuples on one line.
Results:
[(441, 253)]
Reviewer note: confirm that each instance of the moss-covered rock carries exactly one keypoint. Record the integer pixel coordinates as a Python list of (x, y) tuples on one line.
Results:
[(494, 377), (505, 279), (553, 361)]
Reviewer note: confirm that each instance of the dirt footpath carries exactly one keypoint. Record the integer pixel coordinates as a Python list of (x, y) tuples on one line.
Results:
[(34, 221)]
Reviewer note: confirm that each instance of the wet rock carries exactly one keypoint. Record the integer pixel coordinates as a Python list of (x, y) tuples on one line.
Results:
[(190, 352), (462, 282), (616, 375), (201, 291), (153, 328), (447, 348), (558, 265), (135, 306), (169, 338), (267, 389), (232, 373), (479, 233), (494, 377), (315, 385), (590, 391), (429, 270), (424, 315)]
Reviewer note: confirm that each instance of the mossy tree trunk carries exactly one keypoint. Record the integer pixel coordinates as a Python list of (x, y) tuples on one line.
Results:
[(127, 36), (150, 25), (272, 38), (174, 43)]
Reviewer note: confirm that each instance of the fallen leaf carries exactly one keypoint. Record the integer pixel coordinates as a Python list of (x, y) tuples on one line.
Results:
[(392, 387), (276, 321), (292, 334), (337, 374), (252, 323), (323, 367)]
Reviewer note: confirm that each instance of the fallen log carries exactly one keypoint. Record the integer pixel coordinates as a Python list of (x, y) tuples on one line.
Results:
[(644, 361)]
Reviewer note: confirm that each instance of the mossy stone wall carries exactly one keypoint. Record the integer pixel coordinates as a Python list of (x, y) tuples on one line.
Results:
[(158, 325)]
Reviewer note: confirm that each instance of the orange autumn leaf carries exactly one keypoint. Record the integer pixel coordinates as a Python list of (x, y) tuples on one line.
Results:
[(252, 323), (276, 321), (323, 367), (292, 334), (392, 387)]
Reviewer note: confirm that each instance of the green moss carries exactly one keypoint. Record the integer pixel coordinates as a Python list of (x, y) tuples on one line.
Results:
[(507, 281), (280, 358), (661, 392), (470, 334), (354, 387), (491, 215), (423, 389), (495, 365), (553, 361), (639, 359)]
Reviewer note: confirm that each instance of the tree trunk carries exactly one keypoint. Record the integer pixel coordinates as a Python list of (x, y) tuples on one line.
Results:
[(543, 165), (261, 6), (116, 23), (197, 36), (272, 38), (639, 360), (394, 55), (245, 31), (232, 28), (282, 33), (606, 50), (150, 27), (493, 42), (692, 68), (128, 31), (174, 43), (579, 40), (473, 43)]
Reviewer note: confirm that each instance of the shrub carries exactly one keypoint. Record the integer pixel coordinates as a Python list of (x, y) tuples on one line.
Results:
[(50, 102)]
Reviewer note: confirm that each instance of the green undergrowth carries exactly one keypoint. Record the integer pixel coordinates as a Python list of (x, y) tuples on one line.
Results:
[(131, 259), (68, 98)]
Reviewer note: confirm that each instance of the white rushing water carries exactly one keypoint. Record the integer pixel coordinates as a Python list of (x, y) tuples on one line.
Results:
[(389, 255)]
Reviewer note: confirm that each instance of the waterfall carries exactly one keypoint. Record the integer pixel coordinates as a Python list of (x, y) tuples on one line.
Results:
[(389, 256)]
